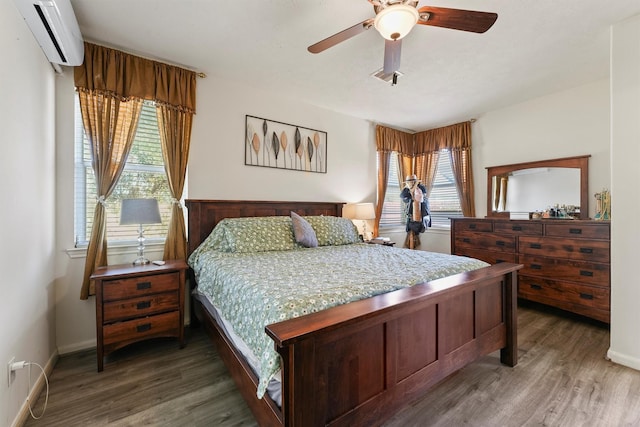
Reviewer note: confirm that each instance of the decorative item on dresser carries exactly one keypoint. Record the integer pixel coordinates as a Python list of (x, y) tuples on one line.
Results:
[(566, 262), (135, 303)]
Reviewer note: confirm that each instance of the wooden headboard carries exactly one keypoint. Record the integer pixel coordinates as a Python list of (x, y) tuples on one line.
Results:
[(205, 214)]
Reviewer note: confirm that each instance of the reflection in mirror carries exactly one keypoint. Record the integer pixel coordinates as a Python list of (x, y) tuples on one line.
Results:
[(537, 189)]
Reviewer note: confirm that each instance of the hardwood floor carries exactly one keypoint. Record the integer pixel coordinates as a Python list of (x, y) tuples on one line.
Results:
[(562, 379)]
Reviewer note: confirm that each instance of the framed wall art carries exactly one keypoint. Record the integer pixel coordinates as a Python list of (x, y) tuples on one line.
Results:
[(280, 145)]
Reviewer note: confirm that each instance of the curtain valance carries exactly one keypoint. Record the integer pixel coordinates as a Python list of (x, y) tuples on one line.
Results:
[(124, 76)]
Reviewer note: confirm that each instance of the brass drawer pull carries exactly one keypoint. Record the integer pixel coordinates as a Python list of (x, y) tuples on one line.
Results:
[(516, 228), (586, 273), (143, 304), (536, 266), (536, 287), (575, 230), (586, 250), (586, 296), (143, 328), (143, 285), (535, 246)]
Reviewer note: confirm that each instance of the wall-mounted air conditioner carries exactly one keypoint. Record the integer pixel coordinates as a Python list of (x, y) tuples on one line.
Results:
[(54, 26)]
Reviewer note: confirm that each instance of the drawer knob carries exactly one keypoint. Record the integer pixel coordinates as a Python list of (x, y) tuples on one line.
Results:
[(143, 285), (575, 230), (143, 328), (143, 305), (586, 273), (472, 226), (498, 261), (535, 246), (586, 296), (536, 266), (536, 287), (516, 228), (466, 240), (499, 243), (586, 250)]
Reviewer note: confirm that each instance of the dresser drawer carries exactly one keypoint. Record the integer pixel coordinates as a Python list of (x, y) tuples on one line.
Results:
[(138, 286), (161, 325), (518, 227), (562, 269), (488, 241), (591, 296), (473, 225), (492, 257), (141, 306), (578, 230), (579, 249)]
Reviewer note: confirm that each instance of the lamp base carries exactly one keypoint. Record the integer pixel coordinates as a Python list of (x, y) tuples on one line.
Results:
[(141, 261)]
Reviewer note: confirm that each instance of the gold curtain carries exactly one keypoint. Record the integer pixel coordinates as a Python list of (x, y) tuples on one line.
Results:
[(110, 125), (175, 134), (463, 174), (112, 86), (384, 158)]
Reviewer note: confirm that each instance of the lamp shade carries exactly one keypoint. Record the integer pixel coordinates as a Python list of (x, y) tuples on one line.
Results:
[(395, 21), (361, 211), (140, 211)]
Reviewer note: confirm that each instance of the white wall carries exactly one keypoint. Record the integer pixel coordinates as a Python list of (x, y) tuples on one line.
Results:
[(625, 228), (216, 171), (569, 123), (27, 167)]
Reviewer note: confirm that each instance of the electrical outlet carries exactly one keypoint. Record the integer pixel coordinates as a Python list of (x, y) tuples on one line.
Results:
[(10, 374)]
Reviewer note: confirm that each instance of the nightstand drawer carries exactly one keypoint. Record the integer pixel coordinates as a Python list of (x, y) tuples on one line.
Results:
[(142, 306), (139, 286), (161, 325)]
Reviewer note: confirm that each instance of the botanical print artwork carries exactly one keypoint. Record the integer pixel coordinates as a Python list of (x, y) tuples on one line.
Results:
[(280, 145)]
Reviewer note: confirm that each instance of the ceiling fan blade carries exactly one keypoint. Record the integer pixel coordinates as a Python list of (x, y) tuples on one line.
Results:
[(392, 50), (341, 36), (458, 19)]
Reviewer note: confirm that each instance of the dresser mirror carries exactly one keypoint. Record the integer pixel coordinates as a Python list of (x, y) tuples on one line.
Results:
[(537, 186)]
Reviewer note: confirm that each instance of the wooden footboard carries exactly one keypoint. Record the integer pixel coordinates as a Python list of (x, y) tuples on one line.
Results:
[(359, 363)]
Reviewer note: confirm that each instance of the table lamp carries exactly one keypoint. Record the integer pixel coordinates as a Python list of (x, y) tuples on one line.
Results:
[(362, 212), (140, 211)]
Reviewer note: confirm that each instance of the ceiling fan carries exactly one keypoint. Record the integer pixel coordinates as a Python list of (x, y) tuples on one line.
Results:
[(396, 18)]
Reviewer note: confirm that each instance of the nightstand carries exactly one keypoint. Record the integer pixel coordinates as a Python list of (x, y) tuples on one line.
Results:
[(135, 303), (385, 243)]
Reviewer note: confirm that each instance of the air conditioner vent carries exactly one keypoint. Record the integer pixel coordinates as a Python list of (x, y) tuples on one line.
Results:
[(54, 26)]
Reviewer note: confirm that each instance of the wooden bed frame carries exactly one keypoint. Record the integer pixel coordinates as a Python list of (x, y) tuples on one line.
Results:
[(359, 363)]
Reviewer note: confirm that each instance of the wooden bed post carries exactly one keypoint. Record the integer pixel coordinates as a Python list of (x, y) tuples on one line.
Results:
[(509, 354)]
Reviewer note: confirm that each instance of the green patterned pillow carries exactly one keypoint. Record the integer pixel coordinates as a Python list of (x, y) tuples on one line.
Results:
[(333, 231), (257, 234)]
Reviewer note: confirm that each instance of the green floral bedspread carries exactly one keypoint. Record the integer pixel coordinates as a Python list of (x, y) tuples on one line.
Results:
[(253, 290)]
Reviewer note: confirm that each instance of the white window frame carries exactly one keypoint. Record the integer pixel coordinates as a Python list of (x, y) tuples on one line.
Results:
[(439, 219), (80, 191)]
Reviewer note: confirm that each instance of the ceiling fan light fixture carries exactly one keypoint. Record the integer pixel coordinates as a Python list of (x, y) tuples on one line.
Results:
[(395, 21)]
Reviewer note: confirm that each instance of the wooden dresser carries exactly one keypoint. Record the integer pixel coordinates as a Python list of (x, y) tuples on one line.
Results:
[(566, 262), (135, 303)]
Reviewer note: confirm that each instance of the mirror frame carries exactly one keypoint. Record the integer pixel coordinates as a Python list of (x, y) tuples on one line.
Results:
[(578, 162)]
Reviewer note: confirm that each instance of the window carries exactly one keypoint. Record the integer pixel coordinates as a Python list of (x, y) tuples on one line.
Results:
[(393, 208), (444, 201), (143, 177)]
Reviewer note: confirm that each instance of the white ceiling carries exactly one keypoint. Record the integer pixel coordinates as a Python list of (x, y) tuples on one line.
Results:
[(536, 47)]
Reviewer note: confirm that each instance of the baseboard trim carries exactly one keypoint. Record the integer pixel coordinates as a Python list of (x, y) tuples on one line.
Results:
[(76, 347), (23, 414), (623, 359)]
